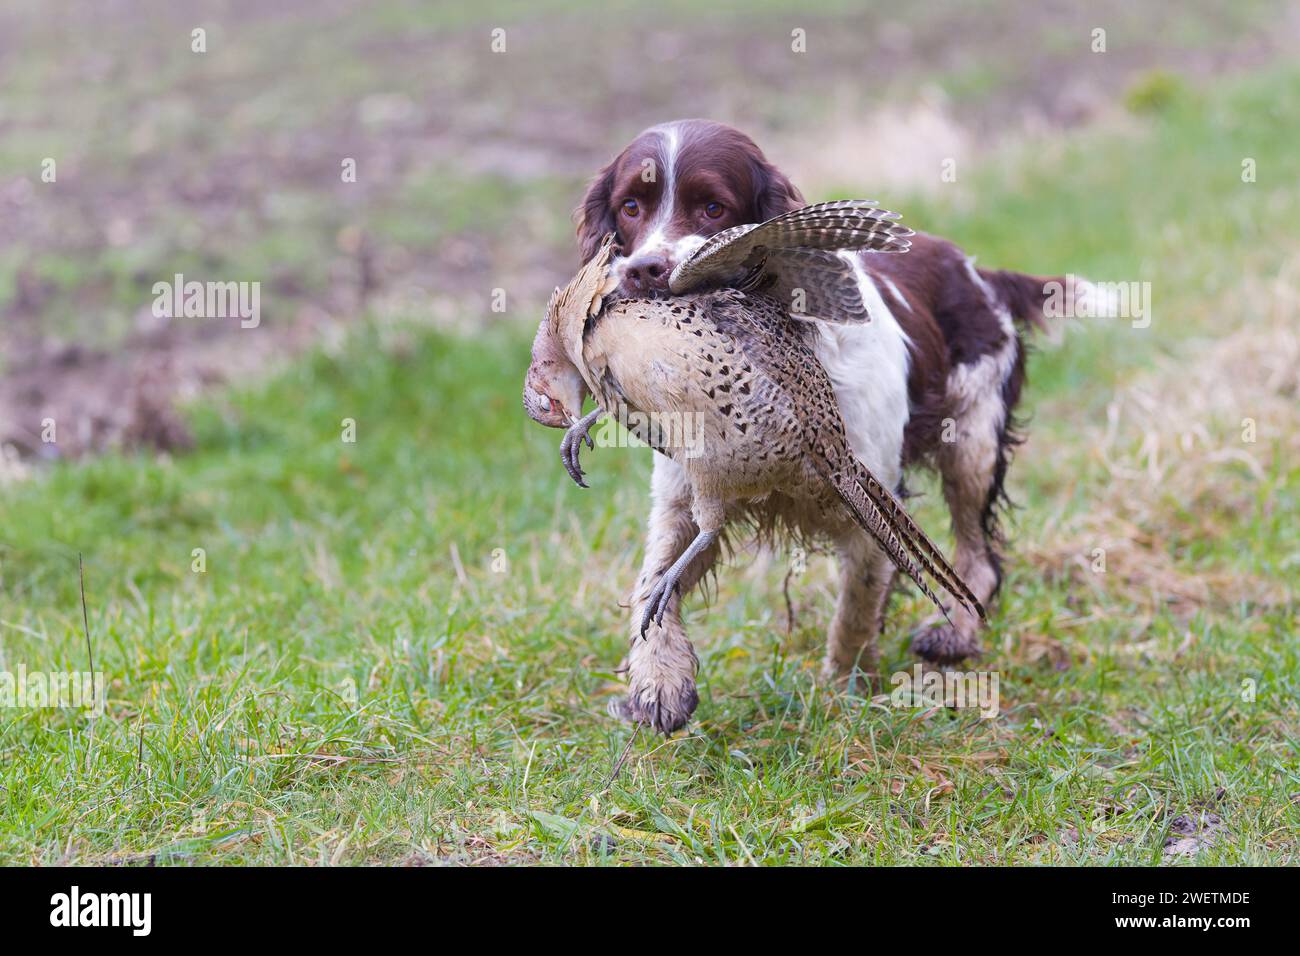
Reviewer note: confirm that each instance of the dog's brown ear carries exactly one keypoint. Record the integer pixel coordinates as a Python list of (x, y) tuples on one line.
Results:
[(594, 216), (774, 194)]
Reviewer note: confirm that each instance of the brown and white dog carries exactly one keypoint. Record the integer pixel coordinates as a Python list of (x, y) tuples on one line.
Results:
[(933, 378)]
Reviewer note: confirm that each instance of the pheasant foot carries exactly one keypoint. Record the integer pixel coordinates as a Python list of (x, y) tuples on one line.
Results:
[(571, 445), (657, 603)]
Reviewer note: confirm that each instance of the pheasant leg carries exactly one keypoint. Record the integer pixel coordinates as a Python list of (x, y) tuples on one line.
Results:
[(657, 603), (571, 445)]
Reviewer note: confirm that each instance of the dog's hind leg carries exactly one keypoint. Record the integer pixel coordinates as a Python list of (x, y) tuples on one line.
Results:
[(973, 465)]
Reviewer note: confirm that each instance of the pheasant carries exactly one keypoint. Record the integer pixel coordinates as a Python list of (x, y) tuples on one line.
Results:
[(725, 355)]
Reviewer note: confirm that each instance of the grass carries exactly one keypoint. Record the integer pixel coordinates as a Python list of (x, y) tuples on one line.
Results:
[(400, 649)]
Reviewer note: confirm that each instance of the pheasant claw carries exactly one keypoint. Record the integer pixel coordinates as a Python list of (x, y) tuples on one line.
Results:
[(571, 445), (661, 594)]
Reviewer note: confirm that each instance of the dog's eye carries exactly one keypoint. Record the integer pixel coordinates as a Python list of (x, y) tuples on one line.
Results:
[(713, 210), (631, 208)]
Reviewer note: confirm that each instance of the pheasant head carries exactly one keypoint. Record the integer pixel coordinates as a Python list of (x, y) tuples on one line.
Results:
[(554, 388)]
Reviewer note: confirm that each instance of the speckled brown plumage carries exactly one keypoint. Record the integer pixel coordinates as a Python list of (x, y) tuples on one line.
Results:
[(733, 365), (761, 403)]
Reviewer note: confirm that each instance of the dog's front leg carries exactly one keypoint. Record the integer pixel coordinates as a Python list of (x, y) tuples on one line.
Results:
[(661, 665)]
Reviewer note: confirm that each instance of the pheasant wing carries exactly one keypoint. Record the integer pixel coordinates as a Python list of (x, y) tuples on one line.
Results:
[(743, 253)]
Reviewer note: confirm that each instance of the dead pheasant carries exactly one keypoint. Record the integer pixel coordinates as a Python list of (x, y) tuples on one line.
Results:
[(725, 358)]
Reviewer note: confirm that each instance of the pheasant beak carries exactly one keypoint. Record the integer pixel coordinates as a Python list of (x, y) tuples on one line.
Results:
[(543, 410), (553, 394)]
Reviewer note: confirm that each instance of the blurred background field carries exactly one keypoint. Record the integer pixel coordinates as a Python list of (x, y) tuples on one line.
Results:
[(227, 163), (400, 649)]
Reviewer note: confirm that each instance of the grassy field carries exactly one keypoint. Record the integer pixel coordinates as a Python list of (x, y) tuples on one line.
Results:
[(399, 650)]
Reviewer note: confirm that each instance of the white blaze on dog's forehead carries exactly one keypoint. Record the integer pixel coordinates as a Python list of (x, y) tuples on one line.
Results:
[(670, 142)]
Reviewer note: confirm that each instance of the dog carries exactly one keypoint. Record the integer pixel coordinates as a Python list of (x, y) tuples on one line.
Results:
[(932, 379)]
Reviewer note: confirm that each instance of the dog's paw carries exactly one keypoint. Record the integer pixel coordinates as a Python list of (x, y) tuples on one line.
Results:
[(661, 708), (943, 644)]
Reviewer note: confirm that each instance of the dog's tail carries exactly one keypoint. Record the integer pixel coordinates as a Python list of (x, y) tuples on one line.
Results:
[(1042, 301)]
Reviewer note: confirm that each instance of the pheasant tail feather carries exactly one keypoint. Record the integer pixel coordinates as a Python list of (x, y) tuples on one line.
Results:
[(874, 522), (920, 544), (884, 518)]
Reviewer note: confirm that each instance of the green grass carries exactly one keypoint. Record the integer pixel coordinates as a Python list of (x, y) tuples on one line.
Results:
[(356, 677)]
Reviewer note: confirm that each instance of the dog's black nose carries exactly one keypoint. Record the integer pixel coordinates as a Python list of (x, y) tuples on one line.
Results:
[(645, 274)]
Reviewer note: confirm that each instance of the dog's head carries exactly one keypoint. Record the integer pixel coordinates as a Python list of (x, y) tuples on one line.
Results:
[(675, 185)]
